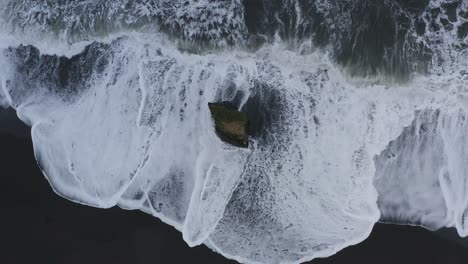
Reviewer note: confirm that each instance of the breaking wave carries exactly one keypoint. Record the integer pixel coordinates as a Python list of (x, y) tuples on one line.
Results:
[(358, 113)]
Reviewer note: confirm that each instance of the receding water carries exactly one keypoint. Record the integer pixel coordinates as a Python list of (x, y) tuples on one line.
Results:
[(357, 112)]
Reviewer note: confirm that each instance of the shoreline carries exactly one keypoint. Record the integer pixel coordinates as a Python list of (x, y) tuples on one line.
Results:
[(42, 227)]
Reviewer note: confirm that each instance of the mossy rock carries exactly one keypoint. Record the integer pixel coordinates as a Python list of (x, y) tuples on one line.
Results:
[(231, 125)]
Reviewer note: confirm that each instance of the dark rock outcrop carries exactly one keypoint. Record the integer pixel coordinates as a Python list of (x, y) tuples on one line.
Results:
[(231, 125)]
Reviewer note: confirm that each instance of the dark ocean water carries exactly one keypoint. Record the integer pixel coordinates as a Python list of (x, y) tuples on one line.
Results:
[(37, 226), (347, 99)]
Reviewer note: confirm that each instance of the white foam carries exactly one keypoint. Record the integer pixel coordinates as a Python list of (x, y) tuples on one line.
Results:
[(139, 134), (77, 22)]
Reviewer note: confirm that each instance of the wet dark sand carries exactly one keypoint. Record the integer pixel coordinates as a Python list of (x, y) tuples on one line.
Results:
[(37, 226)]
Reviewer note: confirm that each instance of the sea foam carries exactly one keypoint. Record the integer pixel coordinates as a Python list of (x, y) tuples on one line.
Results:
[(122, 119)]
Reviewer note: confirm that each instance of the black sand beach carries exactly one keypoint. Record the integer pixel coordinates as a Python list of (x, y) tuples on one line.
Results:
[(37, 226)]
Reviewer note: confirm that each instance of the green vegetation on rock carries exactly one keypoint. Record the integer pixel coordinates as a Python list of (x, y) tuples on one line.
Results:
[(231, 125)]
